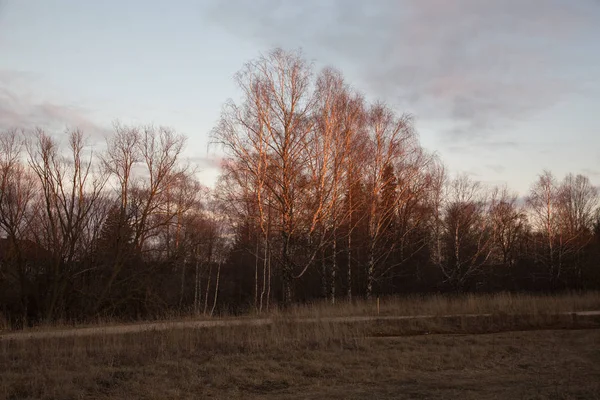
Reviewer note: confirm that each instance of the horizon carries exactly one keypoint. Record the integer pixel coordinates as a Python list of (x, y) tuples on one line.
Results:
[(501, 91)]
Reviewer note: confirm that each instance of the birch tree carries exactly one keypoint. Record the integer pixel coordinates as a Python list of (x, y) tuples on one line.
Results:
[(543, 205), (389, 138), (578, 205), (333, 153), (468, 231), (268, 135)]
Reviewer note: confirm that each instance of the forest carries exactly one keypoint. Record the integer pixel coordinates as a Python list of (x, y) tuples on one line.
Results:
[(322, 195)]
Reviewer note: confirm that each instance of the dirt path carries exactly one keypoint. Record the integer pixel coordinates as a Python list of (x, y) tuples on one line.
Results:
[(161, 326)]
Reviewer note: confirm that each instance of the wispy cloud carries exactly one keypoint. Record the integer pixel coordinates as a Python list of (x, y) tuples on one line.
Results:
[(482, 64), (593, 173), (479, 143), (210, 161), (497, 168), (20, 108)]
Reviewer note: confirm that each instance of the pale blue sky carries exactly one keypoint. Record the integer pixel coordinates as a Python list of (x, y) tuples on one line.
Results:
[(500, 89)]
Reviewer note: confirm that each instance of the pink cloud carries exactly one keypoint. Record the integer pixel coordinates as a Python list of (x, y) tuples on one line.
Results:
[(483, 63), (19, 108)]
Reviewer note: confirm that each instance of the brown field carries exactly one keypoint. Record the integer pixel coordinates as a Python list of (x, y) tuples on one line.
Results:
[(210, 364), (427, 305), (447, 304), (522, 355)]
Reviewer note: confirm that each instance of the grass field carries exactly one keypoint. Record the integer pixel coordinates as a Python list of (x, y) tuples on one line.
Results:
[(426, 305), (200, 364), (447, 304), (523, 350)]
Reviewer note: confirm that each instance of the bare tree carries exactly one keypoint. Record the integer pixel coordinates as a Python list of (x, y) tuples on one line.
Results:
[(144, 163), (409, 221), (578, 204), (509, 224), (436, 202), (120, 156), (69, 192), (159, 150), (17, 186), (185, 199), (268, 136), (543, 204), (334, 151), (468, 231), (215, 246), (18, 189), (390, 138)]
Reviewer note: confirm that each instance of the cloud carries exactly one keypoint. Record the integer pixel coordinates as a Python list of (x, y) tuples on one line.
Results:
[(19, 108), (594, 173), (2, 7), (211, 161), (497, 168), (477, 142), (482, 64)]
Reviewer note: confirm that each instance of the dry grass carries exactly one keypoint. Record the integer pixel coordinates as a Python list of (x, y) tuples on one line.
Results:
[(437, 305), (425, 305), (308, 361), (329, 358)]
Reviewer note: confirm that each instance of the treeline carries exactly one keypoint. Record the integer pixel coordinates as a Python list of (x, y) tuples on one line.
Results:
[(322, 195), (126, 232)]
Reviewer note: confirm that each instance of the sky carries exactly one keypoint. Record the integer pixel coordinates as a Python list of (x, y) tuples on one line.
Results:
[(500, 89)]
